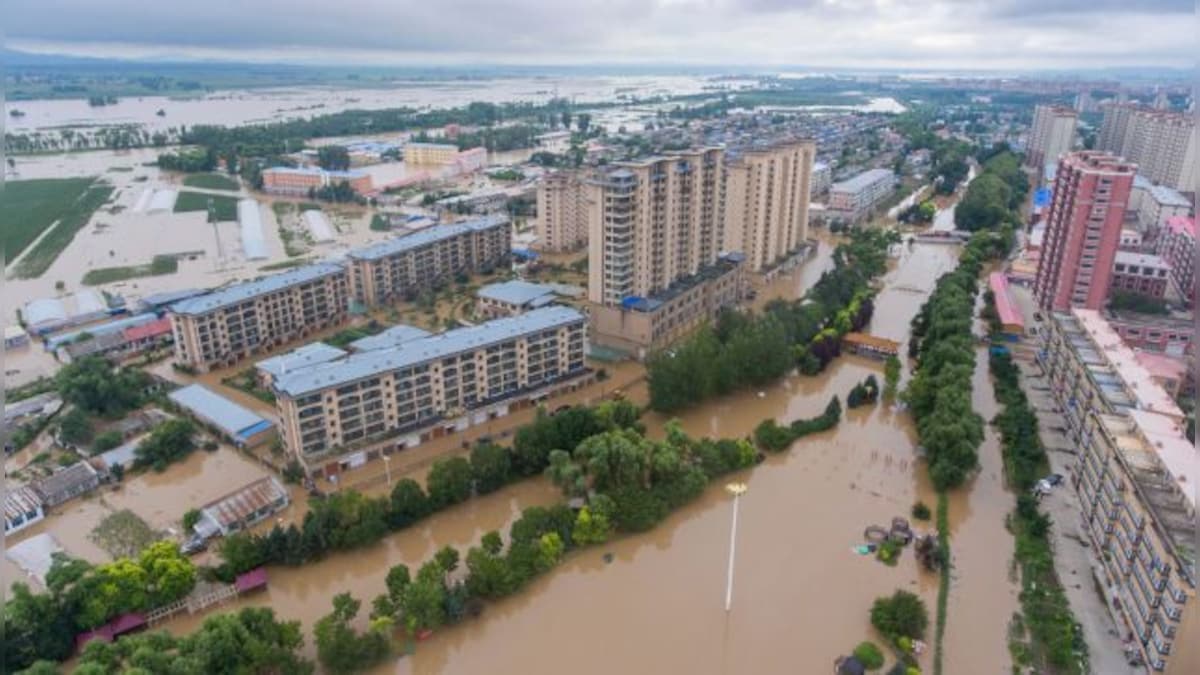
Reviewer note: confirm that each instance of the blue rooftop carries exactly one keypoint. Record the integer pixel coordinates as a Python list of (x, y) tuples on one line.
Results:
[(425, 237), (301, 357), (422, 350), (232, 295), (517, 292), (232, 419), (392, 337)]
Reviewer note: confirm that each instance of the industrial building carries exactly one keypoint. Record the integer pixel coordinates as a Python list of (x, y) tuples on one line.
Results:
[(301, 182), (22, 508), (46, 315), (237, 424), (241, 509)]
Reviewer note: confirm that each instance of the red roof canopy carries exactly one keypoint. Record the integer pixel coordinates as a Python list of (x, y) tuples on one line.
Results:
[(1008, 313), (255, 578), (152, 329)]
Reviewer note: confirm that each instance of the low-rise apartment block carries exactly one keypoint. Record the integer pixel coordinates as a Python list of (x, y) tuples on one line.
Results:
[(562, 217), (430, 153), (1177, 245), (822, 179), (510, 298), (641, 325), (428, 386), (1159, 204), (1170, 334), (219, 329), (298, 182), (1135, 481), (403, 267), (853, 199), (1139, 273)]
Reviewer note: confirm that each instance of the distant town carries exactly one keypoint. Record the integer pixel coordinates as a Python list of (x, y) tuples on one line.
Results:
[(348, 369)]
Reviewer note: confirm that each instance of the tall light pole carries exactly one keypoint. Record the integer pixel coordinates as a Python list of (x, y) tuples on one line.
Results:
[(387, 467), (737, 490)]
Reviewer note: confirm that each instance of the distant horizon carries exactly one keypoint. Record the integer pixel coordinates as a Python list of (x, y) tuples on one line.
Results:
[(30, 58)]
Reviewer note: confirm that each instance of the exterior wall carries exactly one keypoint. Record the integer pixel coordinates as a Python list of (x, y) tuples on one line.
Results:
[(430, 153), (766, 203), (1051, 135), (1154, 333), (493, 308), (653, 222), (855, 202), (228, 334), (1163, 144), (298, 183), (375, 281), (1178, 248), (562, 218), (639, 332), (1153, 214), (1083, 230), (331, 421), (1141, 274)]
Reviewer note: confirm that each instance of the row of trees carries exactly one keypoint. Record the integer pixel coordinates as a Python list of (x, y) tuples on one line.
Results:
[(348, 519), (939, 395), (746, 350), (79, 597), (624, 481), (94, 385), (1054, 641), (996, 195), (250, 640)]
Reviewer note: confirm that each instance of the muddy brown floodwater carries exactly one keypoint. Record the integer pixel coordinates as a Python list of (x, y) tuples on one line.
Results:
[(802, 595)]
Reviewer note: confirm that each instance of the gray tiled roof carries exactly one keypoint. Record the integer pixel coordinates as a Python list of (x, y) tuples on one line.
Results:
[(367, 364), (424, 237), (231, 295)]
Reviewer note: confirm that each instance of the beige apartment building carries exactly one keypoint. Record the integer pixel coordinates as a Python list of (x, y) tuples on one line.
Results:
[(219, 329), (562, 217), (1051, 135), (641, 325), (854, 198), (429, 386), (1163, 144), (400, 268), (430, 153), (1135, 481), (766, 202)]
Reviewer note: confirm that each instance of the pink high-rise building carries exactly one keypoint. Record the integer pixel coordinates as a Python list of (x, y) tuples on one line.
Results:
[(1177, 244), (1083, 230)]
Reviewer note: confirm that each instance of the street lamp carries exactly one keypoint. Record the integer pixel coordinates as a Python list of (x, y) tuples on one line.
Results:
[(387, 467), (737, 490)]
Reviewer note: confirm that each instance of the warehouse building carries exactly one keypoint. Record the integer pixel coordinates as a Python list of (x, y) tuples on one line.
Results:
[(241, 509), (239, 425)]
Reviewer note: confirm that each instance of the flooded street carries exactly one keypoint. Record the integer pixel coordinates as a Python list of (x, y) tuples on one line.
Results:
[(802, 595)]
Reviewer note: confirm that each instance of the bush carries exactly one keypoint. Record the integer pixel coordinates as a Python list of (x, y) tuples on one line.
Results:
[(106, 440), (869, 655), (920, 511), (772, 437)]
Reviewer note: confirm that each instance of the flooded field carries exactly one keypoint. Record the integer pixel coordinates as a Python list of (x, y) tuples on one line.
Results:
[(274, 105), (802, 595)]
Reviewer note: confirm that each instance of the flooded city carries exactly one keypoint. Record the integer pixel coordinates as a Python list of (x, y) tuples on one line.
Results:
[(802, 594)]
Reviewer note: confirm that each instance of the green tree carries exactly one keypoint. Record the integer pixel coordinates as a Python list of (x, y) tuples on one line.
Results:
[(491, 466), (95, 386), (169, 575), (75, 428), (869, 655), (449, 482), (408, 504), (550, 551), (488, 572), (190, 518), (342, 649), (106, 440), (169, 441), (891, 376), (591, 528), (902, 614), (424, 600), (333, 158)]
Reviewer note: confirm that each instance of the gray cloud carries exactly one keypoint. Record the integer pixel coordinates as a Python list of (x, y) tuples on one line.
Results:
[(934, 33)]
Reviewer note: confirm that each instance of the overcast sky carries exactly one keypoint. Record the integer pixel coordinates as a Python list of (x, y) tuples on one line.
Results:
[(938, 34)]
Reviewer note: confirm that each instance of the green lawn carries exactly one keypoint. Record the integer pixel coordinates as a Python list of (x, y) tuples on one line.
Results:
[(211, 181), (42, 255), (225, 207), (285, 264), (30, 206), (162, 264)]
